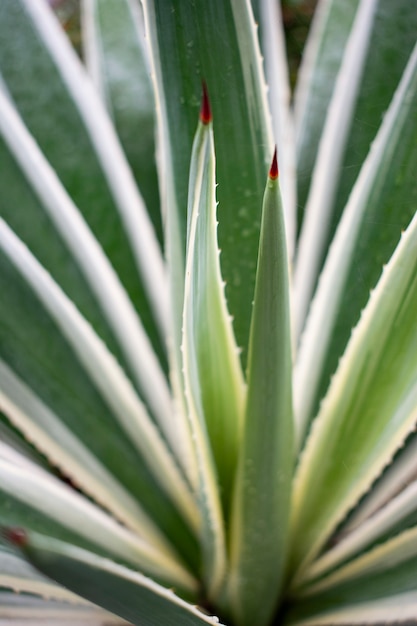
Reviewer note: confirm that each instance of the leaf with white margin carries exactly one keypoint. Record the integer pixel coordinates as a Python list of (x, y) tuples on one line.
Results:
[(382, 167), (22, 610), (116, 57), (262, 496), (64, 450), (316, 222), (96, 267), (386, 520), (388, 568), (279, 96), (383, 577), (397, 609), (118, 589), (105, 372), (213, 376), (36, 490), (40, 48), (213, 382), (369, 409), (394, 481)]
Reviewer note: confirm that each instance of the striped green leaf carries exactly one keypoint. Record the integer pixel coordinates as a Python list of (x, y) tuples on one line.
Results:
[(116, 57), (191, 42), (118, 589), (368, 411), (258, 534)]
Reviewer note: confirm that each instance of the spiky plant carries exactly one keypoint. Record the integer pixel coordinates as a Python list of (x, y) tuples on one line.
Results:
[(179, 426)]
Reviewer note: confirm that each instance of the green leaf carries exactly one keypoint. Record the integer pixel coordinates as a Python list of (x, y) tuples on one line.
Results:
[(368, 411), (279, 96), (318, 211), (23, 610), (116, 57), (190, 42), (398, 514), (214, 374), (390, 47), (18, 575), (102, 188), (34, 499), (64, 450), (385, 574), (118, 589), (54, 371), (213, 380), (323, 54), (104, 371), (384, 183), (393, 482), (258, 536)]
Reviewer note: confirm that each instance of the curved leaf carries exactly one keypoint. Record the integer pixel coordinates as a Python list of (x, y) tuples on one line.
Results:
[(258, 533), (191, 42), (369, 410), (116, 57), (116, 588)]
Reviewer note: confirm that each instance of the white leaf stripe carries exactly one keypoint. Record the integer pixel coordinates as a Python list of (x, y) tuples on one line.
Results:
[(137, 224), (48, 495), (320, 322), (384, 556), (391, 610), (94, 264), (48, 433), (106, 373), (365, 534), (396, 479), (213, 532), (276, 67), (327, 168), (389, 300), (29, 610), (134, 588)]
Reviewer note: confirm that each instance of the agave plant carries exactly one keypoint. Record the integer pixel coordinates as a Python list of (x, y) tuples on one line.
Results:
[(188, 433)]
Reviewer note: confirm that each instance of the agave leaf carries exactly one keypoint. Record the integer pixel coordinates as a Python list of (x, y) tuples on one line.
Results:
[(188, 44), (56, 376), (318, 210), (385, 575), (387, 521), (103, 189), (279, 96), (384, 183), (395, 609), (94, 264), (18, 575), (390, 47), (104, 371), (368, 411), (322, 58), (65, 451), (258, 535), (213, 374), (35, 499), (213, 379), (24, 610), (116, 57), (116, 588), (393, 482), (388, 568)]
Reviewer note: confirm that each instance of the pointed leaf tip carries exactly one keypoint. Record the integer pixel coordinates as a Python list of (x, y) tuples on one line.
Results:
[(16, 536), (205, 111), (273, 172)]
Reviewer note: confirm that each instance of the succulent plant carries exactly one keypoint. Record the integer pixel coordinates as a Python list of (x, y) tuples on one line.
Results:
[(208, 368)]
